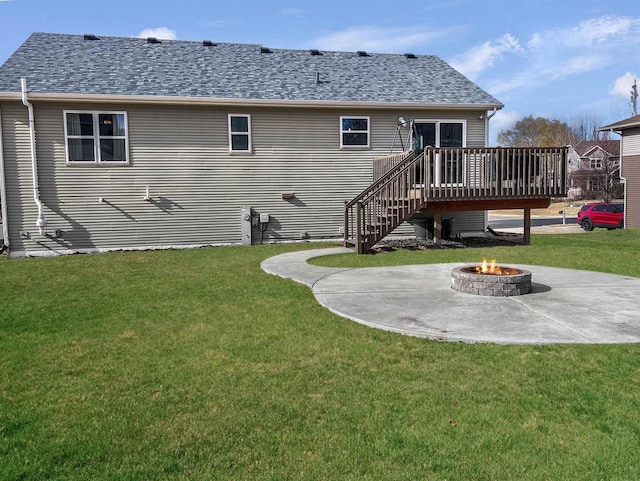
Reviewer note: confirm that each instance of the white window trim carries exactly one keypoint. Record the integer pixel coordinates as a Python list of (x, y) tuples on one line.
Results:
[(248, 134), (368, 132), (96, 138), (437, 133)]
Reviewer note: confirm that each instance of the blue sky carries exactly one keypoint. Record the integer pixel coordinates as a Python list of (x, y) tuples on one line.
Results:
[(563, 59)]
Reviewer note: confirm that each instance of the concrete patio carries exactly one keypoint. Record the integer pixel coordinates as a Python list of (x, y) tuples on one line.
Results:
[(566, 306)]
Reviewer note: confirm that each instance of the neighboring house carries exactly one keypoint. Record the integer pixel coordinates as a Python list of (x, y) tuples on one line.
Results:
[(126, 143), (588, 163), (629, 129)]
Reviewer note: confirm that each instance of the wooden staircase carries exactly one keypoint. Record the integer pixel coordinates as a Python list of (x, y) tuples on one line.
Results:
[(452, 179), (385, 204)]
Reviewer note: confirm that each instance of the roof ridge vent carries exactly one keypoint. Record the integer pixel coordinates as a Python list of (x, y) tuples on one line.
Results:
[(410, 55), (265, 50), (153, 40), (90, 36), (209, 43), (315, 51), (362, 53)]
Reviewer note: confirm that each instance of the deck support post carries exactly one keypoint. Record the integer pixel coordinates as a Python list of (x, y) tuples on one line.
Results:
[(359, 227), (437, 229), (527, 227)]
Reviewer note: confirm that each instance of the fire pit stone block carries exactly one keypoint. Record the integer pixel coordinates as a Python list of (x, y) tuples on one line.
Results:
[(501, 285)]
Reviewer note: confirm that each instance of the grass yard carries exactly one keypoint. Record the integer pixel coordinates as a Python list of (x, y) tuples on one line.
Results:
[(195, 364)]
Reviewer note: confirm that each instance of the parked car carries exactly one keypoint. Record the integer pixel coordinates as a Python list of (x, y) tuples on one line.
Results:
[(601, 214)]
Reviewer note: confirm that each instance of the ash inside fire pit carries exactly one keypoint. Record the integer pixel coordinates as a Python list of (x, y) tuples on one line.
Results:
[(504, 282)]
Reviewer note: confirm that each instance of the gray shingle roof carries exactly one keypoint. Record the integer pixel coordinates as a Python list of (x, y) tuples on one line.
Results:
[(69, 64), (630, 123)]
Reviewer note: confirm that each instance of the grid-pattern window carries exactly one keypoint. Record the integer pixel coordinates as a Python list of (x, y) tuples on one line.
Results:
[(354, 131), (239, 133), (96, 137)]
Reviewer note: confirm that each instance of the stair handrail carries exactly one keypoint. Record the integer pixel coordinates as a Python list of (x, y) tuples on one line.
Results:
[(388, 180), (409, 155)]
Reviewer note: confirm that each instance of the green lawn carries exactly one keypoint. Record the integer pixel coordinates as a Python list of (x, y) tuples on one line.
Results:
[(195, 364)]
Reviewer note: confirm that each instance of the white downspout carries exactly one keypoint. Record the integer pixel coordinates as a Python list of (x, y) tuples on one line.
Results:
[(486, 125), (41, 223), (623, 179), (486, 143), (3, 195)]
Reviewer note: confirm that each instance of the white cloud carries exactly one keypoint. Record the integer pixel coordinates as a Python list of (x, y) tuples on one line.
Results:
[(599, 30), (373, 39), (555, 54), (484, 56), (622, 86), (163, 33)]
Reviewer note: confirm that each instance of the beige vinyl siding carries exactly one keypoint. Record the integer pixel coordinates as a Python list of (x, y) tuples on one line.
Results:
[(631, 142), (17, 162), (197, 188), (631, 171)]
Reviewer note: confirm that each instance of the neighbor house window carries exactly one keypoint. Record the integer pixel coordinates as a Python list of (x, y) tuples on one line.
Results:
[(596, 163), (354, 131), (96, 137), (239, 133)]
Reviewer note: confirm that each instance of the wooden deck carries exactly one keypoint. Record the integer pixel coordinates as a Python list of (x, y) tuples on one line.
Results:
[(453, 179)]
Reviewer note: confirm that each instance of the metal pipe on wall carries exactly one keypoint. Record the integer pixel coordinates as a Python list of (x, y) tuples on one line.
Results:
[(41, 222)]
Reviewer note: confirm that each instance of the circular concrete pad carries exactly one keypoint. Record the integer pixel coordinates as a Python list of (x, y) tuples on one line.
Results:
[(566, 306)]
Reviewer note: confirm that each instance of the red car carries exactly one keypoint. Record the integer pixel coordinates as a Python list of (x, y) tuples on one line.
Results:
[(601, 214)]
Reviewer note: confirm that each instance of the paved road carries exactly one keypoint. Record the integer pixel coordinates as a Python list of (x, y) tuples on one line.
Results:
[(498, 222)]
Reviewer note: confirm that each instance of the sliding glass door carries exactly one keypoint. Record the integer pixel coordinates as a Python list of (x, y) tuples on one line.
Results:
[(449, 167)]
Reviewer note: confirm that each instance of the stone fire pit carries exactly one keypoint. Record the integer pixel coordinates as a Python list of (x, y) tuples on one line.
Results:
[(508, 282)]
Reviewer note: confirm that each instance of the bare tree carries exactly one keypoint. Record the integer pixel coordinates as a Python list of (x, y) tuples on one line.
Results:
[(634, 97), (585, 126)]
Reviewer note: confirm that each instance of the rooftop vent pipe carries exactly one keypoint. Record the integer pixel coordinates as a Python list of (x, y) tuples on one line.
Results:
[(153, 40), (410, 55), (90, 36), (315, 51), (362, 53), (208, 43), (265, 50)]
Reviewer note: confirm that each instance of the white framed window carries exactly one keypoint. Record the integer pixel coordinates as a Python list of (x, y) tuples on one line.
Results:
[(354, 132), (239, 133), (96, 137)]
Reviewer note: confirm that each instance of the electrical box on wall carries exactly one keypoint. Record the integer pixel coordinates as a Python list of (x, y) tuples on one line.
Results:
[(264, 218)]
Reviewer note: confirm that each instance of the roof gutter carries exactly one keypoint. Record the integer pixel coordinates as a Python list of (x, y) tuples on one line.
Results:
[(176, 100), (41, 222), (3, 196)]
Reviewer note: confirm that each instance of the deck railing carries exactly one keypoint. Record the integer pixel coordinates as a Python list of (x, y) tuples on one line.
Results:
[(449, 174), (383, 165), (494, 173)]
